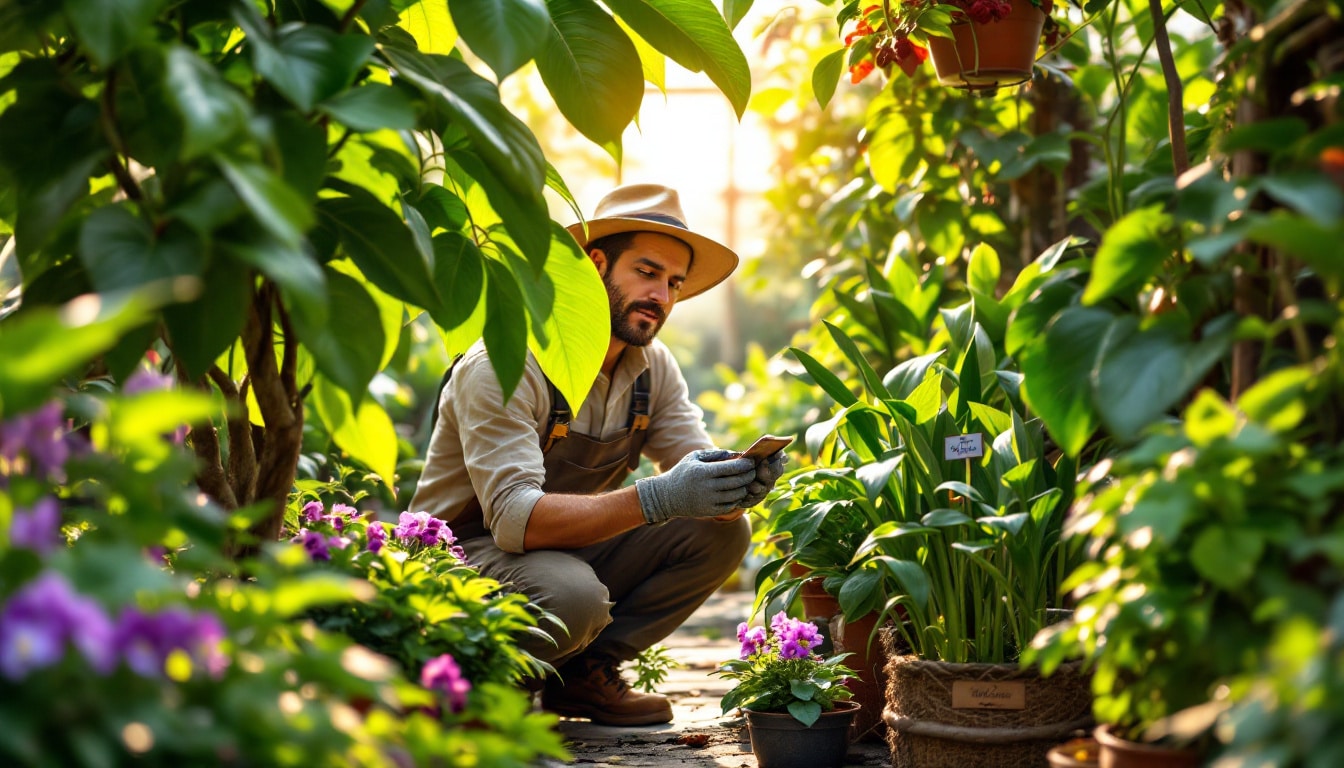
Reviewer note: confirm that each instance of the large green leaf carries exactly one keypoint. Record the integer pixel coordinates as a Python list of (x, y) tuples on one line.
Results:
[(524, 217), (695, 36), (121, 250), (380, 243), (109, 29), (1227, 556), (202, 329), (348, 346), (366, 433), (291, 268), (734, 10), (1058, 371), (592, 70), (505, 34), (430, 24), (578, 328), (871, 381), (42, 345), (472, 102), (306, 63), (1142, 373), (982, 273), (505, 334), (826, 76), (371, 107), (1131, 250), (275, 204), (212, 111), (828, 381), (904, 378)]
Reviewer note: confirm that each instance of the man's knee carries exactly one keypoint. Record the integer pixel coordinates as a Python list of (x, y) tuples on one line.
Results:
[(581, 604)]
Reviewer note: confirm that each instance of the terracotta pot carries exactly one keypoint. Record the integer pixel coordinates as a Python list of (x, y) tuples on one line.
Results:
[(817, 602), (870, 661), (990, 55), (1121, 753), (1077, 753), (780, 741)]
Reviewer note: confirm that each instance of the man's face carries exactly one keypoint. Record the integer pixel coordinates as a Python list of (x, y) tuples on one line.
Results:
[(643, 284)]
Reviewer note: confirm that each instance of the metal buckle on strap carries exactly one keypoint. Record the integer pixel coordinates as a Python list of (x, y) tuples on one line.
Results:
[(558, 432), (641, 421)]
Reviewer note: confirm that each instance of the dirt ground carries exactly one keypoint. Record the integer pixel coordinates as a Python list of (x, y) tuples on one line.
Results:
[(699, 735)]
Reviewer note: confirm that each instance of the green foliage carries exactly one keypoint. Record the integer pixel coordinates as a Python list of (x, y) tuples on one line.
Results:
[(651, 667)]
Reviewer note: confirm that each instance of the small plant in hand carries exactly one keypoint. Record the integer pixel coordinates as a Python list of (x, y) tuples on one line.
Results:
[(778, 672)]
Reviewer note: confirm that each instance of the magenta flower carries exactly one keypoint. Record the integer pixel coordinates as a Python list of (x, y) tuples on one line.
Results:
[(42, 617), (312, 512), (377, 536), (796, 638), (315, 544), (38, 529), (341, 514), (751, 638), (441, 674)]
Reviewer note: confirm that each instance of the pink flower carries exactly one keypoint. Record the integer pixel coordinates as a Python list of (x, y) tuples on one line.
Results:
[(442, 675)]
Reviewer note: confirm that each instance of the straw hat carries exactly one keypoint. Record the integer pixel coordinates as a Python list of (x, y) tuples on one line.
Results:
[(655, 208)]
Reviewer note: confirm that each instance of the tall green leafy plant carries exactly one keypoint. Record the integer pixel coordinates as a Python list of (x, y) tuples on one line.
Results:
[(283, 183)]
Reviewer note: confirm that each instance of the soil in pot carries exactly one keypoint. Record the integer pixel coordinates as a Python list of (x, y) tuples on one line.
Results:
[(1122, 753), (778, 740)]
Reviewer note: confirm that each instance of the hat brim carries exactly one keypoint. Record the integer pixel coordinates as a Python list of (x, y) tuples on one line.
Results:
[(711, 262)]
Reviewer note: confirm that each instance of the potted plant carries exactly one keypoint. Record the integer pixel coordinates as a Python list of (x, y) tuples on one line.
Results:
[(1211, 539), (794, 701), (974, 44)]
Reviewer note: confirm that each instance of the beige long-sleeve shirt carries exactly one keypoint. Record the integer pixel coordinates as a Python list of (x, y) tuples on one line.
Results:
[(485, 447)]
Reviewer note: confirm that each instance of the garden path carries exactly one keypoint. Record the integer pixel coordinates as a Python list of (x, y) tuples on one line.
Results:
[(699, 735)]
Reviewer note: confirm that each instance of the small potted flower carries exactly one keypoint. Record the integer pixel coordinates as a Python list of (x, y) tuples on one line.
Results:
[(974, 44), (794, 699)]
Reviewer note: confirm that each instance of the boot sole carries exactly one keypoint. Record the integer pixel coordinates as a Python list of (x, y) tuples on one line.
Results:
[(602, 717)]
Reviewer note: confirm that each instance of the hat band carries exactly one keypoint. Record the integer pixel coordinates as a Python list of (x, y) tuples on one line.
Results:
[(660, 219)]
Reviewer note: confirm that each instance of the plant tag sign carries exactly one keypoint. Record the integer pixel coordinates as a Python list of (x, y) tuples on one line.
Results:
[(957, 447), (989, 694)]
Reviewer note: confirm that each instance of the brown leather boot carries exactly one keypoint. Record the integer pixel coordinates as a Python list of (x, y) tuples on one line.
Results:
[(591, 686)]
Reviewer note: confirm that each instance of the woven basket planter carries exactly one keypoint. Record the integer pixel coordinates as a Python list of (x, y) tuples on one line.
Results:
[(942, 715)]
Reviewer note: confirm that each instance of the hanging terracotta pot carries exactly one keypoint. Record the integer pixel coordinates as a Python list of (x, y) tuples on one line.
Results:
[(993, 54)]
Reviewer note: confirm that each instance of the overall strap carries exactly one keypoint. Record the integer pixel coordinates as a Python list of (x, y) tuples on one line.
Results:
[(557, 424), (638, 424), (438, 395)]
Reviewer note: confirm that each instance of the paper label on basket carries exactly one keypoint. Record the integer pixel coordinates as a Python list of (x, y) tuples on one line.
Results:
[(970, 446), (989, 694)]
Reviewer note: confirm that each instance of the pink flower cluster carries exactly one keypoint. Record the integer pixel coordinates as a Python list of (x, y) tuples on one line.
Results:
[(793, 638), (420, 527), (46, 615), (442, 675), (342, 516)]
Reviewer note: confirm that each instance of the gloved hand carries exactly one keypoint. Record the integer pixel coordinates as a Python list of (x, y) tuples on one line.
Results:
[(768, 471), (702, 484)]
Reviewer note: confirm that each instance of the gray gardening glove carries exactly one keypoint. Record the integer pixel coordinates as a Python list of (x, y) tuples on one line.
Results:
[(768, 471), (703, 484)]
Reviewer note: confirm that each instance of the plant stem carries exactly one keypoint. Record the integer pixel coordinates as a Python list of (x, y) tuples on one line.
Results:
[(1175, 99)]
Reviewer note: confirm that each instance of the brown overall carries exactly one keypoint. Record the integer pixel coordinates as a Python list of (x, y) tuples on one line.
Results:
[(618, 596)]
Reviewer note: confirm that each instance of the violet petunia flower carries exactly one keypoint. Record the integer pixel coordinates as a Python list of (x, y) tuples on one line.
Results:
[(39, 528), (751, 638), (441, 674), (377, 536), (312, 512), (42, 618), (146, 380), (39, 435), (145, 640), (315, 544)]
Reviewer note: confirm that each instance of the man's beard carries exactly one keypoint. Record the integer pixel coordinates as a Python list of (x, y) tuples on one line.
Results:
[(626, 329)]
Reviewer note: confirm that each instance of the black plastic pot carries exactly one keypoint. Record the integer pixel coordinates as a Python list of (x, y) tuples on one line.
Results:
[(780, 741)]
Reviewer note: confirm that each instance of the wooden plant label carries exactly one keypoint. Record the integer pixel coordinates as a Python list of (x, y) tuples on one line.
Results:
[(970, 446), (977, 694)]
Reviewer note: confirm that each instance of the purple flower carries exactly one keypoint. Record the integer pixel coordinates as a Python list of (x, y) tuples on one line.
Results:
[(312, 512), (410, 525), (38, 529), (315, 544), (42, 617), (341, 514), (442, 674), (796, 638), (459, 553), (146, 380), (145, 640), (377, 535), (41, 436), (751, 638)]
